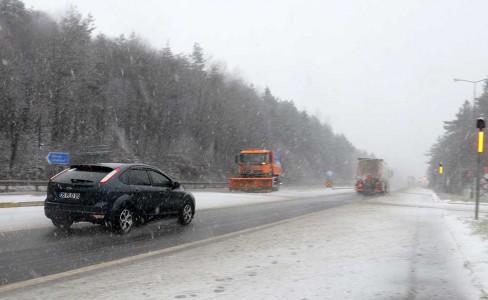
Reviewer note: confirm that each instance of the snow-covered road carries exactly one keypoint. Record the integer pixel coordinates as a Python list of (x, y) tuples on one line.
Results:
[(31, 217), (392, 248)]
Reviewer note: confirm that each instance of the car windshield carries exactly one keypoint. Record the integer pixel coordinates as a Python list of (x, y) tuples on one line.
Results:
[(243, 149), (253, 159)]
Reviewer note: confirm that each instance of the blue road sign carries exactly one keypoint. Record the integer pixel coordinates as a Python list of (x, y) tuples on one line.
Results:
[(58, 158)]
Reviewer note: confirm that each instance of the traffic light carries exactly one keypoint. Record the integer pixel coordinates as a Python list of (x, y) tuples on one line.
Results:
[(480, 123), (441, 170)]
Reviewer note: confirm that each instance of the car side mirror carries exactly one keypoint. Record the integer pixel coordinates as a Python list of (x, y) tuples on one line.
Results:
[(176, 184)]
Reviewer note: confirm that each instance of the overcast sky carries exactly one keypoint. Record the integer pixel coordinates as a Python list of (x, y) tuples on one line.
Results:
[(380, 72)]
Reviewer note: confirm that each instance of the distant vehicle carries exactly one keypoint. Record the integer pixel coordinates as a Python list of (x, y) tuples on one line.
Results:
[(115, 195), (372, 176), (259, 170), (411, 182)]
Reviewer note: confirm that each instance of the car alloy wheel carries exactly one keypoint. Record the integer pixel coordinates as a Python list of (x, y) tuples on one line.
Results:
[(186, 214), (126, 220)]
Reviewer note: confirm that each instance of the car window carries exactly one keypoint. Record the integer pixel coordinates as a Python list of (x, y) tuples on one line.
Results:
[(83, 174), (139, 177), (125, 177), (159, 179)]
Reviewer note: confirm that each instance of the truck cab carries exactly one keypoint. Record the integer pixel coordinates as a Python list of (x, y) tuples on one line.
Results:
[(258, 163), (258, 170)]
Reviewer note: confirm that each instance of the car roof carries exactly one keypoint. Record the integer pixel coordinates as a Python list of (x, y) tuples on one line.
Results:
[(116, 165)]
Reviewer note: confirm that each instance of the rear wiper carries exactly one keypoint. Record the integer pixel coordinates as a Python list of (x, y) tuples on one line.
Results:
[(80, 180)]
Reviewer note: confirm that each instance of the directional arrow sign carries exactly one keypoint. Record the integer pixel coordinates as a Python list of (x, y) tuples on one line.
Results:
[(58, 158)]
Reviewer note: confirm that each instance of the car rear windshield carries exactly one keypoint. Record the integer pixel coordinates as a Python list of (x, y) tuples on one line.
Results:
[(83, 174)]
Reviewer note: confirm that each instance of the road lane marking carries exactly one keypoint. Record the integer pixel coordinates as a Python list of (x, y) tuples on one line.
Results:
[(117, 262)]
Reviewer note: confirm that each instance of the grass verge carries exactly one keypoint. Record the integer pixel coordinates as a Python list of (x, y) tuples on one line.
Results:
[(481, 228)]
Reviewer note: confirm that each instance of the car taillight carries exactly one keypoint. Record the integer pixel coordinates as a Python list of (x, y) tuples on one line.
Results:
[(64, 171), (109, 175)]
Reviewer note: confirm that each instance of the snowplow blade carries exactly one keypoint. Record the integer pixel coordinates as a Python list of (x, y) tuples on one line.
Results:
[(251, 184)]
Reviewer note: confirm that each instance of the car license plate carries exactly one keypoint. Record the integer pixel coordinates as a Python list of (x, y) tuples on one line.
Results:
[(69, 195)]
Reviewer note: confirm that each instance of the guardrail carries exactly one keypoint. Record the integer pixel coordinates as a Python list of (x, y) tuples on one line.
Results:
[(10, 184), (205, 185)]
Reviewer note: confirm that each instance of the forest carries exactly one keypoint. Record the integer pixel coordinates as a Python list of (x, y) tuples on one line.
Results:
[(456, 150), (102, 99)]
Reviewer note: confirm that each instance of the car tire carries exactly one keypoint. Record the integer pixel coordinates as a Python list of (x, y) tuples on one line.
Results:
[(124, 220), (186, 214), (62, 223)]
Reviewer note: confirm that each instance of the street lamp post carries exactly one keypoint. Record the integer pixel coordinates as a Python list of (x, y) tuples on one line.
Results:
[(474, 87)]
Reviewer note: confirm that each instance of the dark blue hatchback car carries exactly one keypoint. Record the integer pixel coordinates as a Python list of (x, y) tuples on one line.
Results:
[(115, 195)]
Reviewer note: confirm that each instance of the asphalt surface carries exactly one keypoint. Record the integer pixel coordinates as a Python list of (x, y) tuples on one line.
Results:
[(29, 254)]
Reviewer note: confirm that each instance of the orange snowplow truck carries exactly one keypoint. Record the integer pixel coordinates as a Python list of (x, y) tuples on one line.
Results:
[(259, 171)]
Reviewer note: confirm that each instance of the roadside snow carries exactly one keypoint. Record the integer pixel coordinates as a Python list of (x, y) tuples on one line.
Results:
[(22, 197), (22, 218), (473, 248), (459, 219)]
